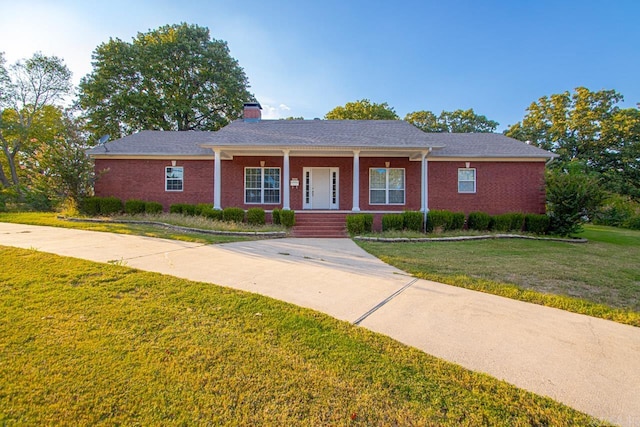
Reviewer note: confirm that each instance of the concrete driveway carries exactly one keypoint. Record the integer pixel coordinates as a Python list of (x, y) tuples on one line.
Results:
[(590, 364)]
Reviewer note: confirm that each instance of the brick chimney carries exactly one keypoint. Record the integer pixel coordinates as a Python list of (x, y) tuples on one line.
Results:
[(252, 112)]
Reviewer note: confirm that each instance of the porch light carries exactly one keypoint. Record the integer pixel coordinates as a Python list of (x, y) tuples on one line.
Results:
[(261, 163)]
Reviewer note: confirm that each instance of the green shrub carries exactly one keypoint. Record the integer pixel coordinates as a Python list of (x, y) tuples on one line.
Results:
[(536, 223), (501, 222), (176, 208), (457, 221), (288, 218), (153, 207), (110, 206), (517, 221), (90, 206), (513, 221), (210, 213), (392, 222), (188, 209), (368, 222), (275, 216), (572, 198), (478, 221), (201, 206), (633, 223), (438, 220), (233, 214), (355, 224), (133, 207), (256, 216), (413, 220), (359, 223)]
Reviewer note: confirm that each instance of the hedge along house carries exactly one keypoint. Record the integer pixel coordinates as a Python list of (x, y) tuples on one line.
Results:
[(322, 168)]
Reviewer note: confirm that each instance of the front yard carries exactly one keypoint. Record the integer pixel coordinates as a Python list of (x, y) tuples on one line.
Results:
[(83, 343), (604, 271)]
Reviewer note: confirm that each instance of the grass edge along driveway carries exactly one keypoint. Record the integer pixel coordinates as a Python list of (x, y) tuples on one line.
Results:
[(600, 278), (86, 343)]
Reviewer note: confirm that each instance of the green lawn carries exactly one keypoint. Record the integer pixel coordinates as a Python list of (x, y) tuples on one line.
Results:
[(52, 220), (600, 278), (83, 343)]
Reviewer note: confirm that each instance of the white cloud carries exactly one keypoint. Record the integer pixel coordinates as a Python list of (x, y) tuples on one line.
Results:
[(270, 112)]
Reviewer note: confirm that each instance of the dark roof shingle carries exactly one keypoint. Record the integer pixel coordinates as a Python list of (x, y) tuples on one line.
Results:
[(338, 134)]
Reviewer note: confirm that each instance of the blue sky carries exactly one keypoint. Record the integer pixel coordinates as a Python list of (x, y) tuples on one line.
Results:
[(304, 58)]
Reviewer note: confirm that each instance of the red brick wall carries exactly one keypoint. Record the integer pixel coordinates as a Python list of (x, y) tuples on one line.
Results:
[(501, 187), (145, 180)]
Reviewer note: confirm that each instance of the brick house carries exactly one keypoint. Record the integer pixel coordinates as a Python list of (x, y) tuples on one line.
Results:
[(325, 166)]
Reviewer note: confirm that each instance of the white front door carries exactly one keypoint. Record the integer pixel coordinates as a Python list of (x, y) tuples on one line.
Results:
[(320, 188)]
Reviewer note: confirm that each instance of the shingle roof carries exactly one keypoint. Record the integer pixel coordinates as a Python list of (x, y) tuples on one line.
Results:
[(338, 134), (322, 133), (157, 143), (484, 145)]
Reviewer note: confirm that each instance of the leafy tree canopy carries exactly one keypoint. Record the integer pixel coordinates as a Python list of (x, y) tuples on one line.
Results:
[(362, 110), (588, 127), (175, 77), (29, 116), (459, 121)]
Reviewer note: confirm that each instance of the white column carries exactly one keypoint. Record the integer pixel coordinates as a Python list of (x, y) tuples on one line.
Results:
[(424, 203), (424, 193), (285, 184), (217, 185), (356, 181)]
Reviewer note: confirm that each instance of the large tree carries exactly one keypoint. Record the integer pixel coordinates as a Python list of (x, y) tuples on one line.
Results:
[(28, 92), (362, 110), (63, 171), (175, 77), (460, 121), (589, 128)]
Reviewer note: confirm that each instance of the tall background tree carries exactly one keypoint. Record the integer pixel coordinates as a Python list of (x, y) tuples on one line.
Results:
[(175, 77), (459, 121), (588, 128), (30, 92), (363, 109)]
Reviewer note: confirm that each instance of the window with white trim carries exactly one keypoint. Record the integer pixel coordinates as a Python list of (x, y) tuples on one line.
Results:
[(173, 178), (466, 180), (386, 186), (262, 186)]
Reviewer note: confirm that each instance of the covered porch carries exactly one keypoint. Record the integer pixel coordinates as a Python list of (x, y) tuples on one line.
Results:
[(321, 179)]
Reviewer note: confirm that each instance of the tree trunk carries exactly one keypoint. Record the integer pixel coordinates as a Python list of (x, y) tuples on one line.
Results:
[(11, 159), (3, 178)]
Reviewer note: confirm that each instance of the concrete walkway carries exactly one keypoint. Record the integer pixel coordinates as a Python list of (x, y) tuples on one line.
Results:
[(590, 364)]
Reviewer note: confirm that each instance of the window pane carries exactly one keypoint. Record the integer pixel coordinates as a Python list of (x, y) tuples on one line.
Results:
[(173, 178), (377, 196), (396, 179), (466, 175), (377, 178), (272, 196), (253, 196), (174, 173), (466, 187), (466, 180), (253, 176), (396, 197), (272, 178)]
